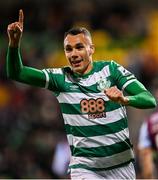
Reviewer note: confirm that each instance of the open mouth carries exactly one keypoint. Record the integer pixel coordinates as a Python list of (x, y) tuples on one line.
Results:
[(76, 62)]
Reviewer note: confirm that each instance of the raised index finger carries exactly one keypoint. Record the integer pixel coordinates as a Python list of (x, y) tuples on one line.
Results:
[(21, 17)]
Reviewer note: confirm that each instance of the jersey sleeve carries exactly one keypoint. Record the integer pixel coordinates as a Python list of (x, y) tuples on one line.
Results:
[(122, 76), (52, 79), (138, 95), (55, 79), (17, 71)]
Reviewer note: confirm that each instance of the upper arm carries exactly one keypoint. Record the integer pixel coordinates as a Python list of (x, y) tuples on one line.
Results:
[(135, 88), (17, 71), (32, 76), (121, 76), (139, 96), (54, 79)]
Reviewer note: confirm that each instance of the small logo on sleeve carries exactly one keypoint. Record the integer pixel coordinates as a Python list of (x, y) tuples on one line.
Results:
[(124, 71)]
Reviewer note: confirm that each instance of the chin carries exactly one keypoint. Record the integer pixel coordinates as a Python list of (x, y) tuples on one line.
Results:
[(78, 70)]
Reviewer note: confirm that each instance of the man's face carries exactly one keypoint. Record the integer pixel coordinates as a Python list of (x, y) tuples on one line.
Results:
[(78, 51)]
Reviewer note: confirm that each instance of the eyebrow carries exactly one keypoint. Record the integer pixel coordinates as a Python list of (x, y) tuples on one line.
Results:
[(78, 44)]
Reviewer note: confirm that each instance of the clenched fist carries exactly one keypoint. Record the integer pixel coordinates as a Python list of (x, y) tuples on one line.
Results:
[(116, 95), (15, 31)]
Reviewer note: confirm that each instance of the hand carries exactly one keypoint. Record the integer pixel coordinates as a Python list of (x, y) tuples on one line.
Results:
[(116, 95), (15, 31)]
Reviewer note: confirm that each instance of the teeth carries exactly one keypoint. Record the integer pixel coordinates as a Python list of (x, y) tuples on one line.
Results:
[(77, 61)]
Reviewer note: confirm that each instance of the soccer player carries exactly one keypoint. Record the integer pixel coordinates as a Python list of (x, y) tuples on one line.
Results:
[(92, 102)]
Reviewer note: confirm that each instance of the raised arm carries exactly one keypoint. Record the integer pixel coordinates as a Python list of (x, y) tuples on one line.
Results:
[(14, 66)]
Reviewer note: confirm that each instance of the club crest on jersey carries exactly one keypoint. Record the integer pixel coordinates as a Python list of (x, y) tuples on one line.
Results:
[(103, 83)]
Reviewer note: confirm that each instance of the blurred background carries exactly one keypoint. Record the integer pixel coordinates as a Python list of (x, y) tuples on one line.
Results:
[(32, 137)]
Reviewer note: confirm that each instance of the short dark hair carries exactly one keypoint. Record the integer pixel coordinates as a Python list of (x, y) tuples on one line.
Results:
[(78, 30)]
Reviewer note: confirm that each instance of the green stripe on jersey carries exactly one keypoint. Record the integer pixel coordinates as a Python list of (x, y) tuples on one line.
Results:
[(101, 151), (96, 130), (83, 166)]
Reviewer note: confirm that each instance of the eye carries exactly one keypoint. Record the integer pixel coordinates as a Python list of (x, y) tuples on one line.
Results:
[(79, 47), (68, 49)]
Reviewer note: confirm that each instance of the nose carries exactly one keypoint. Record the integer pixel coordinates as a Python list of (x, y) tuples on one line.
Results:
[(74, 54)]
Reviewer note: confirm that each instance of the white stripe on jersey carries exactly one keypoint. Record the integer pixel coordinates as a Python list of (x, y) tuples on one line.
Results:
[(127, 83), (104, 162), (97, 141), (75, 98), (83, 120), (123, 172), (93, 78), (55, 70), (47, 78)]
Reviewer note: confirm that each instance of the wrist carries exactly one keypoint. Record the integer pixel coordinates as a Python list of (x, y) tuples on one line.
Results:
[(14, 44), (125, 101)]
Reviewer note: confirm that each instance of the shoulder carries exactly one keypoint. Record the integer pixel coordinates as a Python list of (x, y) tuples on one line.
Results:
[(66, 69), (108, 66), (111, 63), (103, 63), (58, 71)]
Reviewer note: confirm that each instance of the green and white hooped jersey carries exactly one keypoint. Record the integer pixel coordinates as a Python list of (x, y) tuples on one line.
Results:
[(97, 128)]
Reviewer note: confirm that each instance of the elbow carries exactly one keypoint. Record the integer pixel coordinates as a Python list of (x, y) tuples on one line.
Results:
[(12, 76), (9, 75), (13, 73), (153, 103)]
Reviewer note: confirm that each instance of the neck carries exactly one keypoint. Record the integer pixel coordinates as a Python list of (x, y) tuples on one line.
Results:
[(87, 69)]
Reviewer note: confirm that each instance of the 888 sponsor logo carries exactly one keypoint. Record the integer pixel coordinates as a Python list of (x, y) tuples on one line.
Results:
[(95, 108)]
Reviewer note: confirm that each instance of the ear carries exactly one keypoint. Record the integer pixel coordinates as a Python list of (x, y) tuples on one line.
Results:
[(92, 49)]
